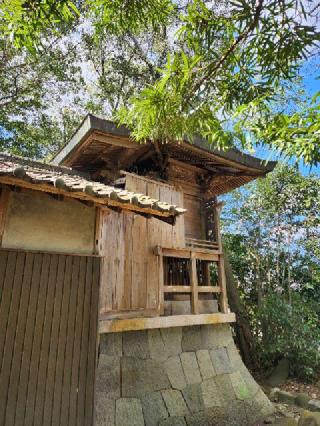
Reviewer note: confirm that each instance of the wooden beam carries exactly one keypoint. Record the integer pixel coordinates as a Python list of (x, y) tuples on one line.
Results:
[(209, 289), (177, 289), (119, 325), (187, 253)]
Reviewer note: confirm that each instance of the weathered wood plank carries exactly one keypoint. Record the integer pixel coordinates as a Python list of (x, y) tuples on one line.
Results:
[(81, 408), (76, 349), (92, 342), (119, 325), (4, 203), (19, 346), (38, 332), (194, 285), (128, 253), (46, 364), (51, 320), (178, 230), (68, 357), (153, 237), (8, 377)]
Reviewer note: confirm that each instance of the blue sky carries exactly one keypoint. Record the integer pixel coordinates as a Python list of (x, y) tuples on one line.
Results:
[(311, 79)]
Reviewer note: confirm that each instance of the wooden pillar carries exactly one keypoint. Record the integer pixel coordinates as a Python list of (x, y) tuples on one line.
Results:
[(194, 283), (220, 265), (158, 252)]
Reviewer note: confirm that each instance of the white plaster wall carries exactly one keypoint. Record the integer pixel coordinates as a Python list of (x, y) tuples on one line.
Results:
[(37, 221)]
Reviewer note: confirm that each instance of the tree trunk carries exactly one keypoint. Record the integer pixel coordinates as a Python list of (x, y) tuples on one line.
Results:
[(242, 326)]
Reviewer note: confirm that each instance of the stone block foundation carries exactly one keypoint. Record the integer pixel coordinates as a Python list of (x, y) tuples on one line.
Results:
[(189, 376)]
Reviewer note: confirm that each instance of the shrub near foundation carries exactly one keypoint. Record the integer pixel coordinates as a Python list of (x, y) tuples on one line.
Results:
[(289, 331)]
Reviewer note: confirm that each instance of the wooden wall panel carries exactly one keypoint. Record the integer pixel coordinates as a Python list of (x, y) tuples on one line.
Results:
[(193, 217), (48, 312), (127, 241)]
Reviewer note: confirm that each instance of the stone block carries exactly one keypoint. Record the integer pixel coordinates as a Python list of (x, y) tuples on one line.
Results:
[(235, 357), (261, 404), (214, 416), (223, 382), (286, 421), (191, 338), (175, 372), (250, 382), (135, 344), (104, 410), (140, 377), (240, 387), (236, 414), (173, 421), (211, 394), (309, 419), (111, 344), (154, 409), (208, 306), (129, 412), (213, 335), (205, 365), (157, 348), (190, 367), (314, 405), (220, 360), (286, 397), (192, 394), (172, 340), (302, 400), (180, 307), (108, 375), (175, 403)]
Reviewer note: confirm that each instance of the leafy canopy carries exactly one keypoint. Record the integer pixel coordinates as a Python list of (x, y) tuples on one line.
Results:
[(228, 70)]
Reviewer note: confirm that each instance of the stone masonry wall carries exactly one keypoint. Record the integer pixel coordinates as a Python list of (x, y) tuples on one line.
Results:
[(189, 376)]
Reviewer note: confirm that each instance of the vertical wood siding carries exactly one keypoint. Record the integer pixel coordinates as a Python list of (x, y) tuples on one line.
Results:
[(130, 269), (48, 332)]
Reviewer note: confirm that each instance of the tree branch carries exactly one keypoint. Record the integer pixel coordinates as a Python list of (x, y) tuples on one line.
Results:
[(243, 36)]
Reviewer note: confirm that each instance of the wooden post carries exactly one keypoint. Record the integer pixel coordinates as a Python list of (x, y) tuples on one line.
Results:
[(97, 233), (194, 283), (4, 201), (220, 264), (158, 252)]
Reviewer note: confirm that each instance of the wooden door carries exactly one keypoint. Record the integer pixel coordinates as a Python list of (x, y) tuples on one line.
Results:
[(48, 335)]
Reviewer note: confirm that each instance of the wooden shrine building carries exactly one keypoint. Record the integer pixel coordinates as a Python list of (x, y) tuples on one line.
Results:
[(111, 239)]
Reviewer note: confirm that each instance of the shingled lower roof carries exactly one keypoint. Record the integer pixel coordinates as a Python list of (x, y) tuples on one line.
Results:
[(62, 180)]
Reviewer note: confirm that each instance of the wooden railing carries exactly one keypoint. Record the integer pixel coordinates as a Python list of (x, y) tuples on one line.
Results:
[(187, 271), (202, 244)]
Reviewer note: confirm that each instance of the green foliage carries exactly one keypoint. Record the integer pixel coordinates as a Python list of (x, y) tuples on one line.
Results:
[(134, 16), (291, 331), (224, 70), (272, 235), (26, 22), (229, 79)]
